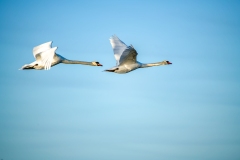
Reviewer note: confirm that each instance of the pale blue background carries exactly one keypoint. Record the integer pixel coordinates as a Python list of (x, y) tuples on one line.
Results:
[(187, 111)]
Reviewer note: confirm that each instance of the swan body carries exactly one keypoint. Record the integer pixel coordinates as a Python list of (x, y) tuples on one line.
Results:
[(126, 57), (46, 57)]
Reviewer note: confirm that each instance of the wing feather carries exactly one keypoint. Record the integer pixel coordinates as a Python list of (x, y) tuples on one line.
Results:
[(45, 58), (128, 56), (41, 48), (122, 52), (118, 47)]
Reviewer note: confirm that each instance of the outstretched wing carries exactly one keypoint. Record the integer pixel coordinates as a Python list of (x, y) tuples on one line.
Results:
[(45, 58), (41, 48), (118, 47), (129, 56)]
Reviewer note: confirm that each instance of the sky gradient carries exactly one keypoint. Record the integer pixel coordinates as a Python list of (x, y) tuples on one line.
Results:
[(187, 111)]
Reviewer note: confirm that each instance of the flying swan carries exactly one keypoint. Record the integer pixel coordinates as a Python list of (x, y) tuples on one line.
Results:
[(126, 57), (46, 58)]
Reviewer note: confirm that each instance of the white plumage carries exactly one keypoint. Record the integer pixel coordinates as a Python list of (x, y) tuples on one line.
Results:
[(126, 57), (46, 57)]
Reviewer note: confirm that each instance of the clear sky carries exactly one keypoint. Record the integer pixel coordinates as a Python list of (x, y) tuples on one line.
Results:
[(187, 111)]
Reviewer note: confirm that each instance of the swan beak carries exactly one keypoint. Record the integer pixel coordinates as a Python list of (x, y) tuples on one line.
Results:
[(169, 62), (99, 64)]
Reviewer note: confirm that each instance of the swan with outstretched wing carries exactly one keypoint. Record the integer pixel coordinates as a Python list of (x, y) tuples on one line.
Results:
[(126, 57), (46, 57)]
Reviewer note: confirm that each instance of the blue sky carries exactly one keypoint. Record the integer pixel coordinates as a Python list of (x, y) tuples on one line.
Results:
[(189, 110)]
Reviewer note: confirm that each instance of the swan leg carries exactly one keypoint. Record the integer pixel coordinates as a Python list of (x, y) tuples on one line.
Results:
[(111, 70), (28, 66)]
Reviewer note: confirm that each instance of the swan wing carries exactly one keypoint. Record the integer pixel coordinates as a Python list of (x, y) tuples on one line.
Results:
[(118, 47), (41, 48), (129, 56), (45, 58)]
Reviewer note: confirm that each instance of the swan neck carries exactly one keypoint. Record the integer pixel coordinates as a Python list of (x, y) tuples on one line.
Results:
[(152, 64), (66, 61)]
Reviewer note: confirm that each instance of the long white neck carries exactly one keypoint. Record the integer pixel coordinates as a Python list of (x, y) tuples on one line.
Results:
[(66, 61), (153, 64)]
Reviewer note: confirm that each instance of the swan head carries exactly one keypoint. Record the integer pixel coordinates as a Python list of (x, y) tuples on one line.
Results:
[(167, 62), (96, 64)]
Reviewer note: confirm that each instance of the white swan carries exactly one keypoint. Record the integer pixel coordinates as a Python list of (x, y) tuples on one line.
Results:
[(46, 58), (126, 57)]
